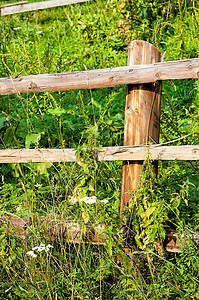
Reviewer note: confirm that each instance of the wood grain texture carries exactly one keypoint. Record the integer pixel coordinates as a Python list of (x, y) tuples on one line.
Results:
[(122, 153), (10, 10), (142, 115), (101, 78)]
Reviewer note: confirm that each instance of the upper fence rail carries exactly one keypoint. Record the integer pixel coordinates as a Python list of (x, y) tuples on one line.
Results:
[(101, 78), (20, 7)]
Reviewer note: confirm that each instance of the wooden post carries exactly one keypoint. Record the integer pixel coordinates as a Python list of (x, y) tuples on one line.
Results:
[(142, 115)]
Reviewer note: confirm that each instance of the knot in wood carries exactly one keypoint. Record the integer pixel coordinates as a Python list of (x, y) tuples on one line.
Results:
[(32, 85), (135, 109), (195, 151)]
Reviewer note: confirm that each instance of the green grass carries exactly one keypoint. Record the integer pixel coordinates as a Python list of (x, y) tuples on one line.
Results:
[(95, 35)]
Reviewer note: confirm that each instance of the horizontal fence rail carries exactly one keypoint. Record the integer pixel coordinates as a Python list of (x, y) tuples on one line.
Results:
[(122, 153), (13, 4), (74, 233), (102, 78), (20, 7)]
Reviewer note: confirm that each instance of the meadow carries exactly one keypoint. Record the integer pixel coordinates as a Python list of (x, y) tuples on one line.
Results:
[(82, 37)]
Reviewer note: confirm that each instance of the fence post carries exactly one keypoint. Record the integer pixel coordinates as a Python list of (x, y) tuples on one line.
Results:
[(142, 115)]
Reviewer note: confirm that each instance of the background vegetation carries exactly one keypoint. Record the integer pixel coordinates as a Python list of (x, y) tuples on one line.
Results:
[(90, 36)]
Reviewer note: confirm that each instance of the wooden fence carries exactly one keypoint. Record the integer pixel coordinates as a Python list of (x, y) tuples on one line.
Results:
[(23, 6), (103, 78), (123, 153), (143, 77)]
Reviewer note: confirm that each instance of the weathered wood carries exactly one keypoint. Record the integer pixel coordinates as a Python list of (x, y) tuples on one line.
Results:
[(21, 7), (142, 115), (174, 241), (75, 232), (123, 153), (37, 155), (126, 153), (101, 78), (13, 4), (70, 230)]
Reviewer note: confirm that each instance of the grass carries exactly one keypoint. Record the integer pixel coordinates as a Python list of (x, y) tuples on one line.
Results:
[(95, 35)]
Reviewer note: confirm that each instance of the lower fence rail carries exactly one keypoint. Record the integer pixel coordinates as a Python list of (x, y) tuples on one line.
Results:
[(74, 233)]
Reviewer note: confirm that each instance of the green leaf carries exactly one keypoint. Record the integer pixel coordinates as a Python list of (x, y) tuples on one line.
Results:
[(58, 111), (32, 138), (194, 179), (149, 211), (42, 167), (2, 120), (109, 247), (96, 104), (138, 29), (69, 124), (109, 122), (146, 223), (152, 235)]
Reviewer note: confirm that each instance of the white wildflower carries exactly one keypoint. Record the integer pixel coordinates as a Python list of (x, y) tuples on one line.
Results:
[(89, 200), (49, 246), (19, 207), (38, 185), (105, 201), (75, 197), (38, 32), (31, 253), (17, 28), (42, 247), (72, 199)]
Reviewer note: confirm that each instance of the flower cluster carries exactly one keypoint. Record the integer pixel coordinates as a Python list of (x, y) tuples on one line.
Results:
[(105, 201), (40, 248), (17, 28), (88, 200), (31, 253), (91, 200)]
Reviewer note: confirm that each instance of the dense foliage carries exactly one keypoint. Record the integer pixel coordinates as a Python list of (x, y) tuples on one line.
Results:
[(81, 37)]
